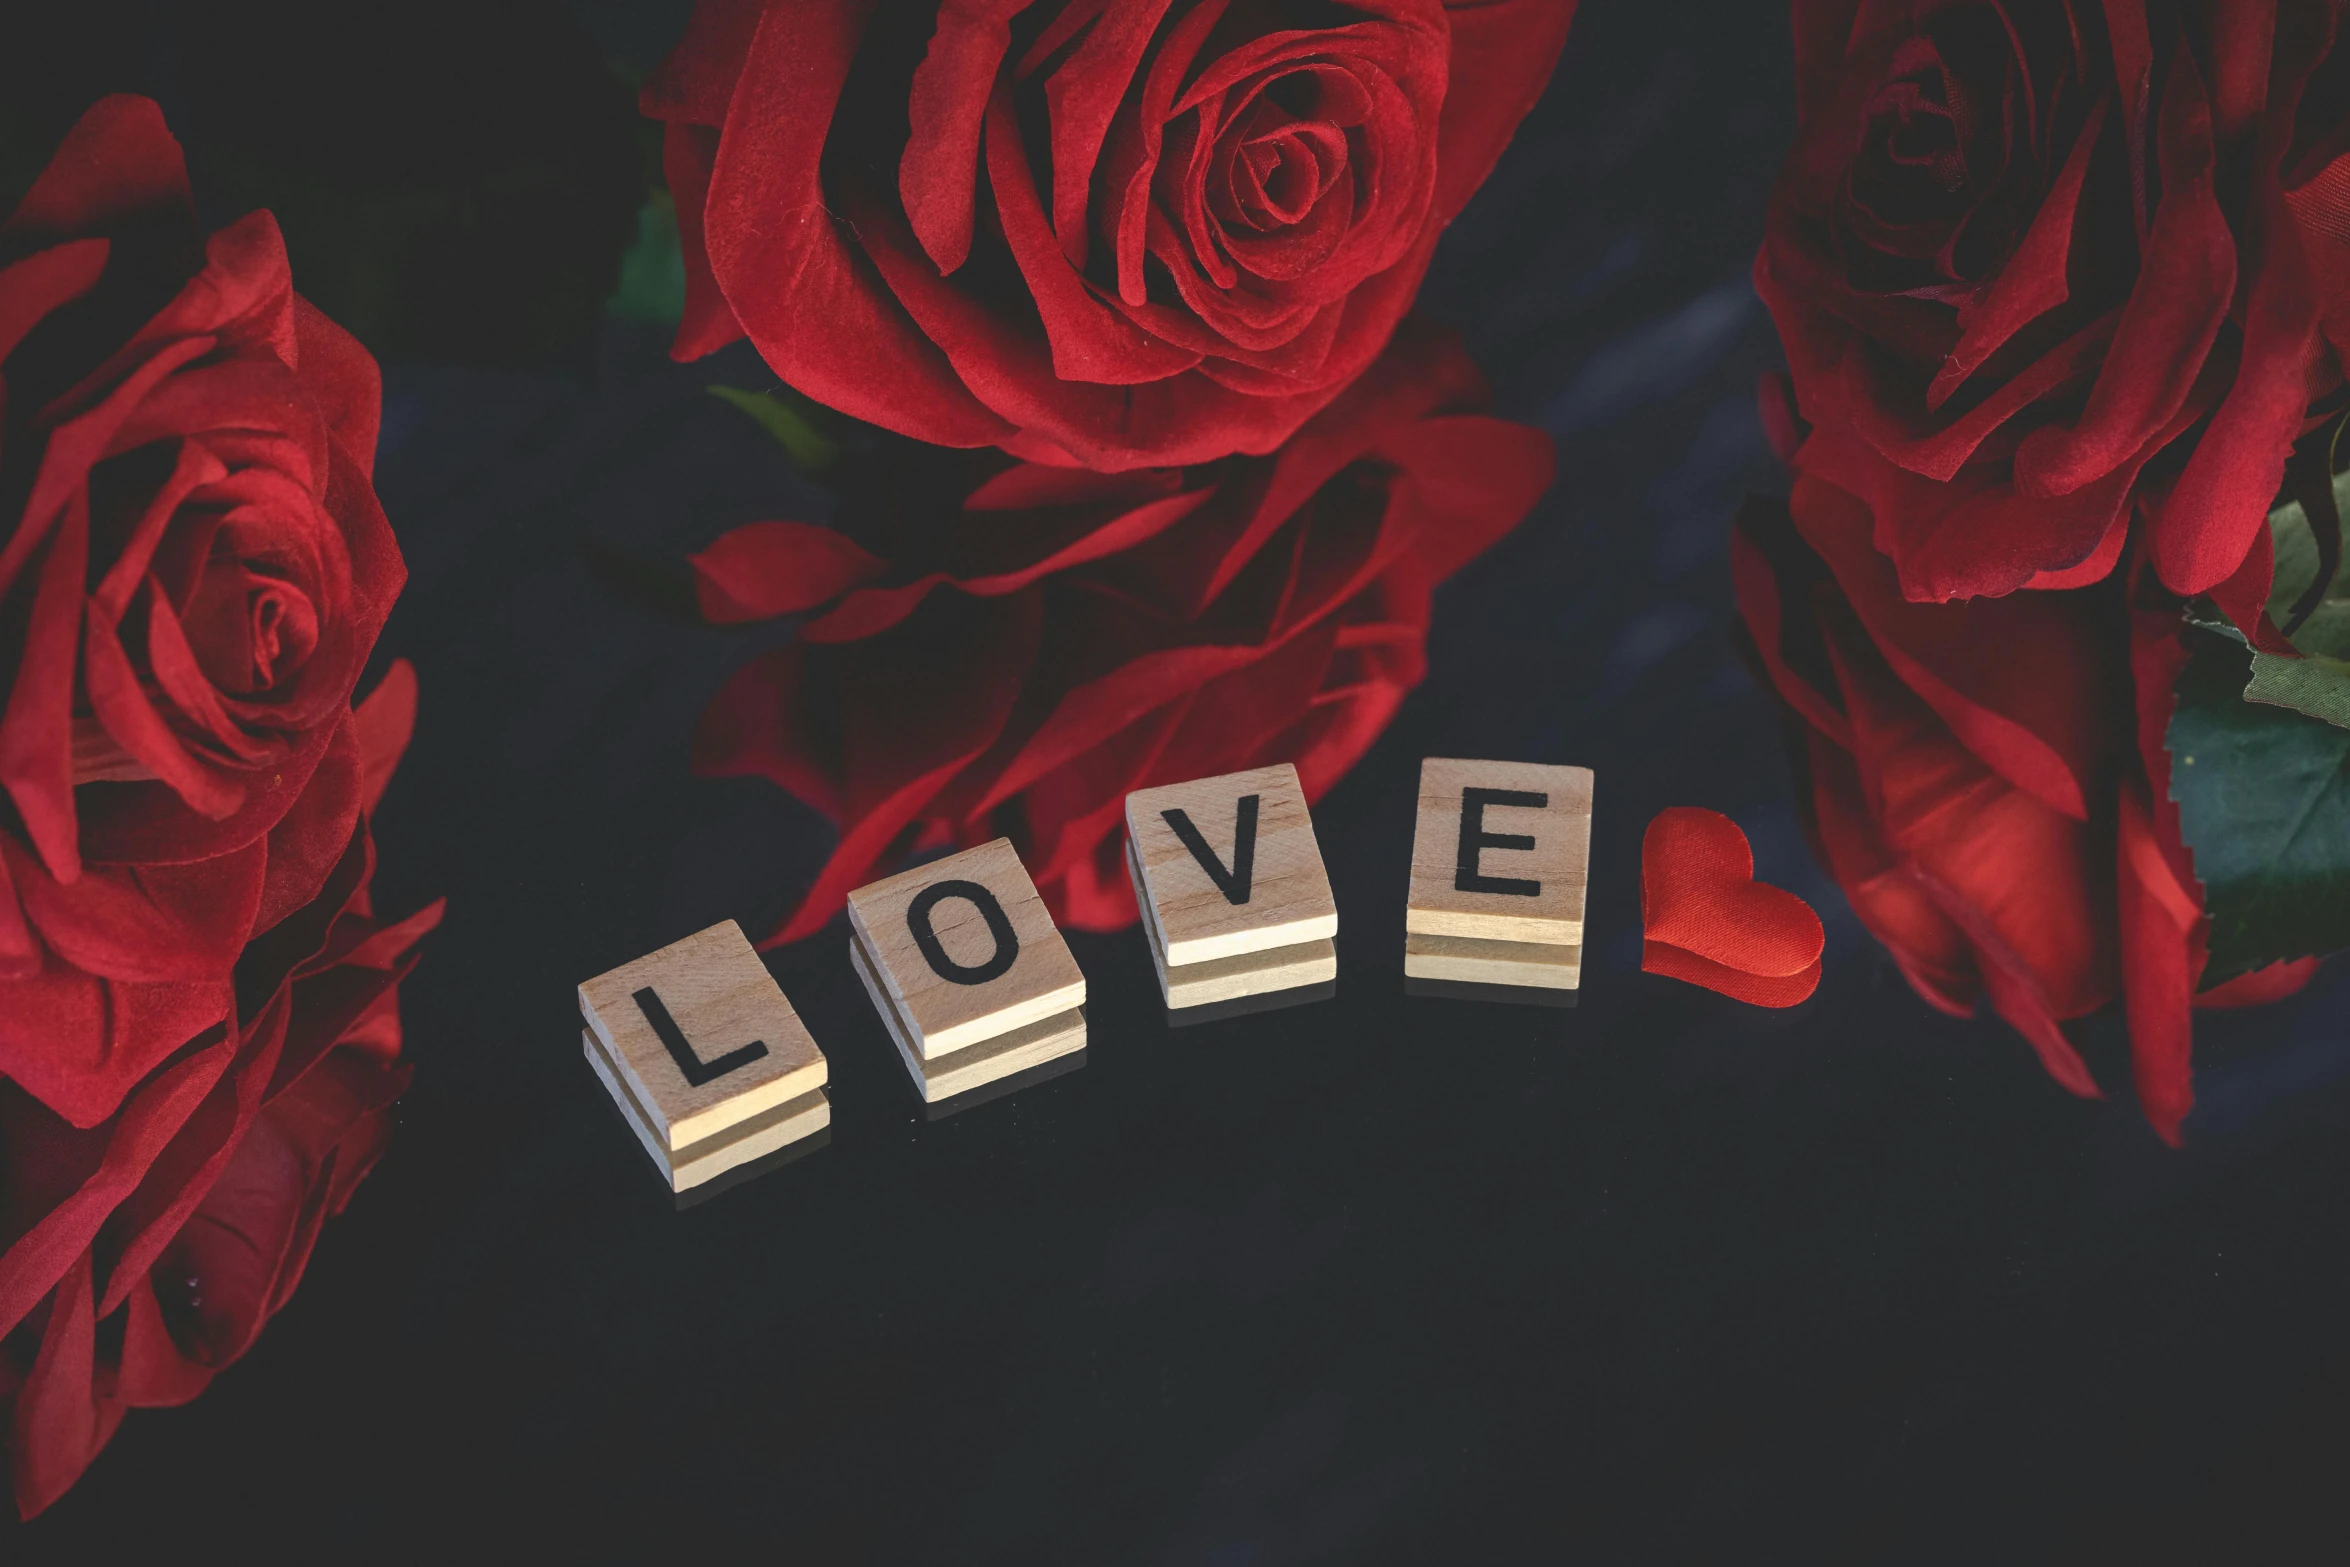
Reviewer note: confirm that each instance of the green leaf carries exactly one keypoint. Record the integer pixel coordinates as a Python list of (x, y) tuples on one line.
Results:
[(2297, 557), (791, 420), (2264, 803), (652, 270), (2318, 684)]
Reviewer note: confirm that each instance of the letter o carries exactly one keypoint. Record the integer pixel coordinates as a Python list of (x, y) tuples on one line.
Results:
[(999, 925)]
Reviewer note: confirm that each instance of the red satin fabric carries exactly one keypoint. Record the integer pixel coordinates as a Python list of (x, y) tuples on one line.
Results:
[(1706, 920)]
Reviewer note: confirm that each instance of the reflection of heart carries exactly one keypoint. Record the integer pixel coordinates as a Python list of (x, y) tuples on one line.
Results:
[(1708, 921)]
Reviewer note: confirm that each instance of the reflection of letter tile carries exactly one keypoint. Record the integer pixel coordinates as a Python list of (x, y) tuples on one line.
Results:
[(1557, 862), (752, 1138), (939, 1013), (1287, 899), (730, 1019)]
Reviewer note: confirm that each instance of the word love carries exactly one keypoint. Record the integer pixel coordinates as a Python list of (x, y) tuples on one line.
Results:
[(712, 1069)]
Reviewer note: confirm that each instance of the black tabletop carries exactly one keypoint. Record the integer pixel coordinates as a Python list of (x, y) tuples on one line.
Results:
[(1381, 1278)]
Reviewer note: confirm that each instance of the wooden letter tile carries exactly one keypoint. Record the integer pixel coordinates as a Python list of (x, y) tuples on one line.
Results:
[(703, 1055), (965, 967), (1234, 898), (943, 1077), (754, 1137), (1499, 861), (1476, 962), (1230, 864)]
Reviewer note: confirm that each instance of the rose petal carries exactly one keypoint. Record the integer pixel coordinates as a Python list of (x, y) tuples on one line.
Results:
[(939, 171), (75, 446), (2032, 282), (2025, 682), (903, 730), (689, 156), (34, 287), (696, 80), (1082, 97), (2007, 869), (2203, 529), (117, 164), (384, 722), (154, 1374), (152, 924), (44, 1253), (344, 383), (2156, 916), (242, 297), (2261, 986), (808, 303), (764, 569), (36, 727), (768, 721), (1929, 947), (61, 1421), (78, 1043), (305, 843), (194, 466), (1089, 340), (1507, 49), (1977, 536), (199, 1149), (1132, 161), (120, 701), (2185, 285)]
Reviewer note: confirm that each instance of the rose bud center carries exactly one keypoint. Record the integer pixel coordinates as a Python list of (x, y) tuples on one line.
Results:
[(1946, 167), (1917, 145), (1274, 167), (251, 630)]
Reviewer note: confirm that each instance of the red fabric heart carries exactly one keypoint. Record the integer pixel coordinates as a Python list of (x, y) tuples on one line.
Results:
[(1709, 922)]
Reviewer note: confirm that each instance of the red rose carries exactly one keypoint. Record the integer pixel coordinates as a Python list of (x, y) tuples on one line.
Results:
[(1117, 233), (1988, 783), (193, 569), (143, 1254), (2042, 266), (1015, 657)]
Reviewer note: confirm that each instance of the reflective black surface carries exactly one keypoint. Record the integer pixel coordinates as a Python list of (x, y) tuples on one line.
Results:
[(1381, 1278)]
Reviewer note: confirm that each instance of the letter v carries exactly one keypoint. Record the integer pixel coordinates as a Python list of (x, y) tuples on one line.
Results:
[(1233, 883)]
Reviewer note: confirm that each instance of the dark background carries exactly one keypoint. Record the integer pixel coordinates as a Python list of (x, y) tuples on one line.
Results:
[(1382, 1279)]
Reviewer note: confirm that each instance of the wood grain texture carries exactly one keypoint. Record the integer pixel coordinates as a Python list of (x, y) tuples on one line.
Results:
[(1250, 973), (943, 1015), (755, 1137), (1288, 894), (1536, 963), (936, 1078), (722, 999), (1558, 862)]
